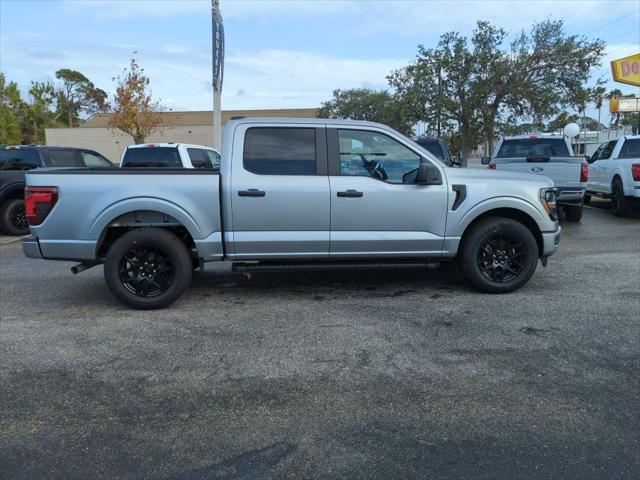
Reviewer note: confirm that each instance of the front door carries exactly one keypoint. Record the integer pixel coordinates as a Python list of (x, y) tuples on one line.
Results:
[(280, 194), (598, 169), (376, 208)]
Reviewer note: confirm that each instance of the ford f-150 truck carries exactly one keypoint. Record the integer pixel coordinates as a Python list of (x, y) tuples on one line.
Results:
[(551, 156), (615, 174), (292, 193)]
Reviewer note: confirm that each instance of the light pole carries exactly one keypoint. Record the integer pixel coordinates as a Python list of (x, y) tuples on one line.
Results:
[(218, 71)]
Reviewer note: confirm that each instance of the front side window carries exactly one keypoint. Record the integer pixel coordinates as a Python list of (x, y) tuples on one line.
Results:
[(63, 158), (92, 159), (280, 151), (19, 159), (376, 155), (152, 157), (214, 158), (608, 150)]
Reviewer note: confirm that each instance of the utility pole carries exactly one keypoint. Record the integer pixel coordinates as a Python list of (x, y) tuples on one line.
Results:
[(218, 71)]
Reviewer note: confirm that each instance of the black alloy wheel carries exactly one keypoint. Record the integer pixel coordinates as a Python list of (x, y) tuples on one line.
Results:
[(146, 271), (13, 218), (502, 257)]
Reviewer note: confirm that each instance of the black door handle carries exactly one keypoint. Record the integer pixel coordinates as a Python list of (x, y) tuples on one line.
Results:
[(350, 193), (252, 192)]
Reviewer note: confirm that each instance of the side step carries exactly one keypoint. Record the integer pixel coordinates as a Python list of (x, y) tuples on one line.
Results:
[(275, 266)]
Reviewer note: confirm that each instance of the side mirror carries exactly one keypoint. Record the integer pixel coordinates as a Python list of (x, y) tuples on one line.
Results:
[(485, 160), (428, 174), (456, 162)]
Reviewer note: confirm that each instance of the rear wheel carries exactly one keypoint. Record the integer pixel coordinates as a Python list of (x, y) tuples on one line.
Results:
[(13, 218), (499, 255), (573, 212), (620, 205), (148, 268)]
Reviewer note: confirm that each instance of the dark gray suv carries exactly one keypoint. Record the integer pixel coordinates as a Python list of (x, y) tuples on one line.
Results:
[(17, 159)]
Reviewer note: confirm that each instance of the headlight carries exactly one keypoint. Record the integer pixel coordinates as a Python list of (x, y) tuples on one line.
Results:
[(548, 200)]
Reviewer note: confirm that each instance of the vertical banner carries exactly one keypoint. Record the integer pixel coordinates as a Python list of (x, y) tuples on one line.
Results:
[(217, 71)]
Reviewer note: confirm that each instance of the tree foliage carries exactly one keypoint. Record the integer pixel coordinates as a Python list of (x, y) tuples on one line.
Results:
[(134, 110), (78, 94), (10, 105), (367, 104), (474, 85)]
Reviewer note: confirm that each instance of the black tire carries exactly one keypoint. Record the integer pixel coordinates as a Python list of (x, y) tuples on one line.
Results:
[(148, 268), (573, 212), (491, 240), (13, 219), (587, 199), (620, 205)]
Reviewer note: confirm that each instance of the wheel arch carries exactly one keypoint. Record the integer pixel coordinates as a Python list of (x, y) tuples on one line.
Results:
[(507, 212), (13, 191)]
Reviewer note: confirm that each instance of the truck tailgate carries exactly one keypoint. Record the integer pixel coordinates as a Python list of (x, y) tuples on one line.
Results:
[(564, 171)]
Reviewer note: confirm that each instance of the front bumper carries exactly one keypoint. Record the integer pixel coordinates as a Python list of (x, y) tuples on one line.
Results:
[(550, 242), (31, 247)]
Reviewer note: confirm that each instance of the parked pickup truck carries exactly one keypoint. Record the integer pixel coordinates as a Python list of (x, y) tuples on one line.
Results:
[(293, 193), (548, 155), (615, 173), (15, 160), (174, 155)]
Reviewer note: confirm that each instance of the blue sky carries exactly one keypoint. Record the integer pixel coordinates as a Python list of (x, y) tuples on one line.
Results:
[(279, 53)]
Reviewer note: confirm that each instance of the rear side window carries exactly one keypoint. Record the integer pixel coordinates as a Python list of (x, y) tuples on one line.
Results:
[(199, 158), (280, 151), (63, 158), (630, 148), (152, 157), (19, 159), (533, 147)]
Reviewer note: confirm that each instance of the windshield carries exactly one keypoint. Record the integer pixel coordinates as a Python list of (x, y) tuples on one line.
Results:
[(152, 157), (533, 147)]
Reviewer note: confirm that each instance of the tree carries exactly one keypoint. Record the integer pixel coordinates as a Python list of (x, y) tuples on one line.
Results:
[(79, 94), (10, 106), (478, 84), (134, 111), (366, 104), (37, 114)]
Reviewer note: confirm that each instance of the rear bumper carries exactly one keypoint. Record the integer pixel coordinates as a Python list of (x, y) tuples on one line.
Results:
[(550, 242), (31, 247), (570, 194)]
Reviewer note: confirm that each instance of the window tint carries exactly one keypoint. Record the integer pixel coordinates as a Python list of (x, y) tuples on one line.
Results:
[(533, 147), (433, 147), (280, 151), (630, 148), (598, 153), (214, 158), (608, 150), (198, 159), (63, 158), (19, 159), (92, 159), (376, 155), (152, 157)]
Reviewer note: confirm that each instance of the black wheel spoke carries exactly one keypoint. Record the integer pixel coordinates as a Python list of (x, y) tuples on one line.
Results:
[(146, 271), (502, 257)]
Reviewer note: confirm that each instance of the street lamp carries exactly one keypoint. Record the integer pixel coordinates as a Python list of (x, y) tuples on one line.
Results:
[(218, 71)]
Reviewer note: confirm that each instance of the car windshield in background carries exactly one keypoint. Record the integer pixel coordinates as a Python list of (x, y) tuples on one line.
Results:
[(19, 159), (152, 157), (630, 148), (533, 147)]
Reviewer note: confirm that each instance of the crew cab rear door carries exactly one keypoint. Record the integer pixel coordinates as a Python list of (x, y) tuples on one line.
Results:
[(377, 210), (279, 192)]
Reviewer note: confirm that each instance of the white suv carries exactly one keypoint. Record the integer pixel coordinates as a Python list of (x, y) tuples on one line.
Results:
[(170, 155)]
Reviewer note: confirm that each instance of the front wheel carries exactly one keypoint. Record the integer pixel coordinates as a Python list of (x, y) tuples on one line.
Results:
[(498, 255), (148, 268), (573, 212)]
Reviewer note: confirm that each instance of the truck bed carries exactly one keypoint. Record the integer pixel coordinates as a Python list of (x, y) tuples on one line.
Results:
[(90, 200)]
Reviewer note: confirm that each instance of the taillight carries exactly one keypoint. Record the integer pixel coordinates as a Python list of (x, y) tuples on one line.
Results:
[(635, 172), (584, 172), (492, 166), (38, 202)]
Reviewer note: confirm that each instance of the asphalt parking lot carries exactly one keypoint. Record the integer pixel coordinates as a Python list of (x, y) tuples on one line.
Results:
[(363, 374)]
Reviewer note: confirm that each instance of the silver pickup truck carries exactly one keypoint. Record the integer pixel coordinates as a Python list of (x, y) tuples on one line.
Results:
[(292, 193), (548, 155)]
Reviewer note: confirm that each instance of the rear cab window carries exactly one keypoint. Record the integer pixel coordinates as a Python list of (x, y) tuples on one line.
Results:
[(152, 157), (280, 151), (19, 159), (533, 147)]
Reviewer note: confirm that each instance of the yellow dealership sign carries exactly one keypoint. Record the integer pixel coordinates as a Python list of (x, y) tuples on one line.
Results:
[(627, 70)]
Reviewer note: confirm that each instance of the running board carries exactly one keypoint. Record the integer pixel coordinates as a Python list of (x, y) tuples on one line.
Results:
[(274, 266)]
